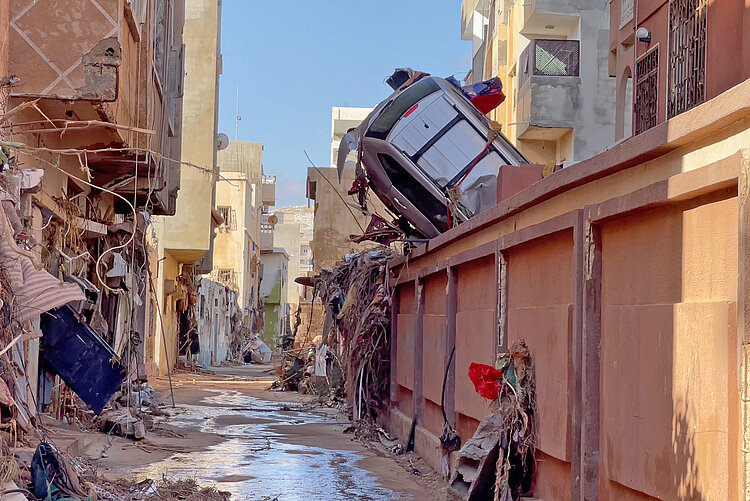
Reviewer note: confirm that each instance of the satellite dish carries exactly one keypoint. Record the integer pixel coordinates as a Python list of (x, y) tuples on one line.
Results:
[(272, 219), (222, 141)]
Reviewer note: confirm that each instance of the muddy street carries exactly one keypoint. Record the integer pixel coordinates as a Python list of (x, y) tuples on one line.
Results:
[(263, 445)]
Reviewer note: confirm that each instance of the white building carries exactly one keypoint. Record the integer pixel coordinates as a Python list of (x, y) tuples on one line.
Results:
[(343, 119)]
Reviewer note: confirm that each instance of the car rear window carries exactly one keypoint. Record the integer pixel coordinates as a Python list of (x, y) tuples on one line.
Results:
[(382, 125)]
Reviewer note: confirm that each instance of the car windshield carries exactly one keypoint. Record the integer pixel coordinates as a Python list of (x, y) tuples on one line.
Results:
[(394, 110)]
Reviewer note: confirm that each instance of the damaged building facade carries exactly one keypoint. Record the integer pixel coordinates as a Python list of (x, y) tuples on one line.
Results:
[(104, 120), (241, 201), (625, 275), (91, 139)]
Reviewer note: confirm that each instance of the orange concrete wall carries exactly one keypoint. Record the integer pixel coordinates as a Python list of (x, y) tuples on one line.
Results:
[(623, 281), (669, 285), (475, 337), (540, 307), (433, 353)]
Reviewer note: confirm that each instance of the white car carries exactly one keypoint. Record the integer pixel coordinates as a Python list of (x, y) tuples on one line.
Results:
[(422, 141)]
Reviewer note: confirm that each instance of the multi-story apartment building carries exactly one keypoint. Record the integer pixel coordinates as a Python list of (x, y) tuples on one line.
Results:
[(273, 292), (670, 56), (343, 119), (241, 201), (92, 92), (185, 240), (551, 57)]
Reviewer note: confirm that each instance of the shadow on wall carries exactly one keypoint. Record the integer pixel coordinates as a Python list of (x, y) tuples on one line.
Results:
[(685, 470)]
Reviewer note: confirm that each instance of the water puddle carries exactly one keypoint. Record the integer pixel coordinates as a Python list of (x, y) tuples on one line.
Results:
[(254, 462)]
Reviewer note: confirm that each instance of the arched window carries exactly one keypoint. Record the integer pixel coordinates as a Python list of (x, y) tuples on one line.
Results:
[(624, 114)]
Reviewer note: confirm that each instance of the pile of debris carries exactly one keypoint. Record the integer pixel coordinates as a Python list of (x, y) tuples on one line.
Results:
[(499, 458), (166, 489), (352, 358)]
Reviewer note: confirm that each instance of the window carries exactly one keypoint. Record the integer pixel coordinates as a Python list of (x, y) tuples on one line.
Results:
[(229, 216), (626, 12), (160, 40), (687, 55), (551, 58), (393, 111), (414, 191), (646, 89), (226, 276)]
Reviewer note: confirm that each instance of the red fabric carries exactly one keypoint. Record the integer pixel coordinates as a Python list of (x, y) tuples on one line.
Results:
[(488, 102), (486, 380), (360, 184)]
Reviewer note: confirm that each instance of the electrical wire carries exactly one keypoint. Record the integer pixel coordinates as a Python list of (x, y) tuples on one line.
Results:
[(95, 186), (334, 190)]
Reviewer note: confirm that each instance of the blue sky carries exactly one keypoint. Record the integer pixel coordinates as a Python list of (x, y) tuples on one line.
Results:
[(295, 60)]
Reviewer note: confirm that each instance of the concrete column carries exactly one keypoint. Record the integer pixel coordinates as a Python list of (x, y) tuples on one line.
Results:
[(592, 294), (575, 398), (417, 395), (743, 316), (394, 345), (451, 307)]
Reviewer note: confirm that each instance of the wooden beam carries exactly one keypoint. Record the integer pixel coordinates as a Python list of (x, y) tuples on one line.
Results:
[(501, 310), (91, 229)]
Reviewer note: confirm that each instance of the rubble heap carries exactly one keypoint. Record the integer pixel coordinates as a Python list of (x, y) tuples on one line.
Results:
[(499, 458), (356, 335)]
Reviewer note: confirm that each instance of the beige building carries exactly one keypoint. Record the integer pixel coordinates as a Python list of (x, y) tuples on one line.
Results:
[(287, 236), (335, 221), (303, 217), (72, 80), (551, 56), (241, 202), (185, 238)]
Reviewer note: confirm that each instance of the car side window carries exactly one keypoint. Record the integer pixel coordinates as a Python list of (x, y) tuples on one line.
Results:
[(413, 191)]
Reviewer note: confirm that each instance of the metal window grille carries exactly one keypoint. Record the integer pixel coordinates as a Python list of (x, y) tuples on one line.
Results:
[(229, 216), (646, 91), (552, 58), (687, 55), (226, 276)]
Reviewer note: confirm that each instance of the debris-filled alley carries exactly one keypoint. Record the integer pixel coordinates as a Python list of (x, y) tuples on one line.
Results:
[(229, 431), (514, 266)]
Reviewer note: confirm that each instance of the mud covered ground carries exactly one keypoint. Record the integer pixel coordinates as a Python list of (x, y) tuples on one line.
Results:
[(228, 430)]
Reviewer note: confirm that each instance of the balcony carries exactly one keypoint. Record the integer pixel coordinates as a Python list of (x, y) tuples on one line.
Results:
[(83, 78), (549, 88), (266, 234), (558, 18), (268, 190)]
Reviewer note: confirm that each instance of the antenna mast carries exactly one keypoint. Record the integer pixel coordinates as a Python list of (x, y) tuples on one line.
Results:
[(238, 118)]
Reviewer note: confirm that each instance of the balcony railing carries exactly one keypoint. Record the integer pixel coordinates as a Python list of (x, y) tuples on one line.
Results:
[(552, 58)]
